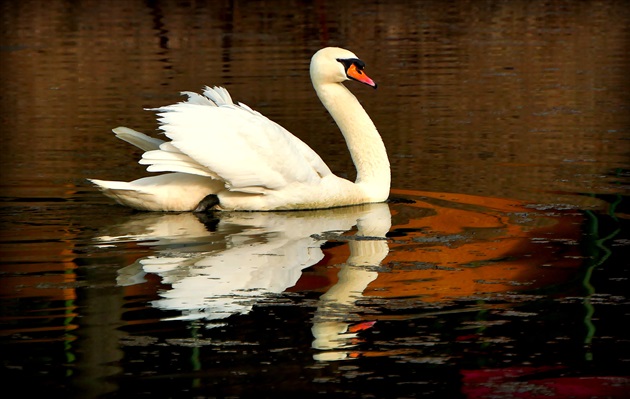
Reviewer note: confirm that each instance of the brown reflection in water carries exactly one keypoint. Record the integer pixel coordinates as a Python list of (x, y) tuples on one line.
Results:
[(514, 99), (510, 96)]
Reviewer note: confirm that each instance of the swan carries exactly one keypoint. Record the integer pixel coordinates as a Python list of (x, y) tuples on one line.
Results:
[(226, 156)]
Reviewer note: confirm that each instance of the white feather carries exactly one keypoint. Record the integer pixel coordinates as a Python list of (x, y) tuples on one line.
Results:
[(229, 149), (137, 139), (218, 95)]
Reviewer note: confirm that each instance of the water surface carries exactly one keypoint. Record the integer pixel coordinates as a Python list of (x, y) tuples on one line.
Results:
[(499, 269)]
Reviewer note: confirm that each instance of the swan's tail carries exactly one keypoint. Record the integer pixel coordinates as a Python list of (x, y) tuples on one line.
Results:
[(176, 192), (125, 194)]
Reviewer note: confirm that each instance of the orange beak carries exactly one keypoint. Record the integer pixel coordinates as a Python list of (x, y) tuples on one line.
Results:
[(360, 76)]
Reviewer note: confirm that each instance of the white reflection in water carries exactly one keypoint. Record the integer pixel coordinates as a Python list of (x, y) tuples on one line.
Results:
[(250, 255), (329, 328)]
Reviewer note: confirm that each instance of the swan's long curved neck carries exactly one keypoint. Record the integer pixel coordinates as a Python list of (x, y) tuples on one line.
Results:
[(363, 140)]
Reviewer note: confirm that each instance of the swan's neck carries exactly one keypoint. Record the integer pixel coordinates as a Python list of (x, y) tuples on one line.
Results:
[(365, 144)]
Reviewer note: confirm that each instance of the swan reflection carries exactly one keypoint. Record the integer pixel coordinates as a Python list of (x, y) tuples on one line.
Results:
[(368, 248), (220, 267)]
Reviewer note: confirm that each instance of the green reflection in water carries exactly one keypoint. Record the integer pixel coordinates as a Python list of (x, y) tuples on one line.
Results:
[(599, 254)]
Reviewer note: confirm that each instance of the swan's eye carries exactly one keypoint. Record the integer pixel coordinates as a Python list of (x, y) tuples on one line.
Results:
[(349, 62), (359, 65)]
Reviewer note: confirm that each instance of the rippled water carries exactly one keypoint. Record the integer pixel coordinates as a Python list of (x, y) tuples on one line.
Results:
[(499, 269)]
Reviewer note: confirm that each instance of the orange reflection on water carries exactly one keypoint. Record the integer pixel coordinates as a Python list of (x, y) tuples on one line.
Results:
[(52, 280), (468, 245)]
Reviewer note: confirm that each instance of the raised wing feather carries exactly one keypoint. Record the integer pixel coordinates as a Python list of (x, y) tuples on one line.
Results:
[(242, 147), (138, 139), (168, 158)]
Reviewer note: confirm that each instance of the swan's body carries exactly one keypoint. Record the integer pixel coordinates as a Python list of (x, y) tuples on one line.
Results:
[(227, 156)]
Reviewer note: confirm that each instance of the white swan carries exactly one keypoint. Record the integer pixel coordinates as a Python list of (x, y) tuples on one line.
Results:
[(226, 156)]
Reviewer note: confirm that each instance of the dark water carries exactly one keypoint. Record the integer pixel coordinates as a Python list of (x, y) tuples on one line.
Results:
[(499, 270)]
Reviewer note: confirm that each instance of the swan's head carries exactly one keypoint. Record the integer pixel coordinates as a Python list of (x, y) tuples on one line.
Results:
[(336, 65)]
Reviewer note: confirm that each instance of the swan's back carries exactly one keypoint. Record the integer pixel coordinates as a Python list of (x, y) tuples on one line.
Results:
[(240, 146)]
